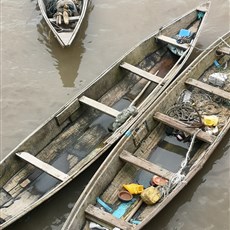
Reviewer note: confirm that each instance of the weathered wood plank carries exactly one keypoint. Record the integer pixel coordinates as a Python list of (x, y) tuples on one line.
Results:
[(208, 88), (146, 165), (172, 41), (71, 19), (97, 105), (98, 215), (141, 73), (172, 122), (224, 50), (67, 111), (43, 166)]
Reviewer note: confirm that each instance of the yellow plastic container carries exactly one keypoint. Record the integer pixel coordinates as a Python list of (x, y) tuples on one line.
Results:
[(134, 188), (210, 120)]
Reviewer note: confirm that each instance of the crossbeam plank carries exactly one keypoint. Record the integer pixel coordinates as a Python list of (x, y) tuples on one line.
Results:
[(172, 122), (98, 215), (97, 105), (146, 165), (172, 41), (224, 50), (71, 19), (208, 88), (43, 166), (141, 73)]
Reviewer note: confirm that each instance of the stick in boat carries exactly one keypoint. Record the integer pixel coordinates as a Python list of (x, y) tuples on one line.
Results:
[(133, 210), (133, 102), (142, 91)]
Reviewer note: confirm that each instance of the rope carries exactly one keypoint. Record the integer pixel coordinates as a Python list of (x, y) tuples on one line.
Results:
[(123, 116), (183, 112), (179, 176)]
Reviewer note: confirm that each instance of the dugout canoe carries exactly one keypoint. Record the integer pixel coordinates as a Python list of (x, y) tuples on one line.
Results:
[(90, 124), (64, 27), (163, 150)]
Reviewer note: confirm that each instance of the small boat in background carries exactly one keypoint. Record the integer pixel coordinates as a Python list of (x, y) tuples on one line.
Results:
[(163, 150), (93, 121), (64, 18)]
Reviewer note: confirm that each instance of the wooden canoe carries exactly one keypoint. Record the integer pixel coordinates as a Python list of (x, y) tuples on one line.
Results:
[(90, 124), (164, 149), (63, 31)]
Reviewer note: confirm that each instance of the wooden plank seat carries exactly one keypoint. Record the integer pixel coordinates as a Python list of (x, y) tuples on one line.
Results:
[(172, 41), (43, 166), (141, 73), (211, 89), (71, 19), (99, 216), (224, 50), (97, 105), (172, 122), (146, 165)]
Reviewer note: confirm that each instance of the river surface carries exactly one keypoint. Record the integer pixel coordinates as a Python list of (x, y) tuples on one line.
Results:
[(38, 77)]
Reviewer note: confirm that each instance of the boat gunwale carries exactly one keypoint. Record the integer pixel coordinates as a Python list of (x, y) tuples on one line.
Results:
[(120, 131), (200, 162)]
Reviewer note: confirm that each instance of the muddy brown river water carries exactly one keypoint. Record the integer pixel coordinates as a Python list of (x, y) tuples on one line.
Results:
[(38, 77)]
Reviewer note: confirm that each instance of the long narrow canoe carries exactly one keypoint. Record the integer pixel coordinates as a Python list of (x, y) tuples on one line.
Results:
[(163, 150), (64, 27), (90, 124)]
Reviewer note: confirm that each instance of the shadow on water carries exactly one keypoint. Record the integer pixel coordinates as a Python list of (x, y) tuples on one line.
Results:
[(66, 60)]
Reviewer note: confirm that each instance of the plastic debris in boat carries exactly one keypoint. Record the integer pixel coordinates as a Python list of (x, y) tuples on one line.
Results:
[(218, 79), (160, 181), (186, 96), (200, 15), (184, 36), (104, 205), (184, 33), (211, 120), (122, 208), (93, 225), (134, 188), (151, 195), (135, 221), (212, 130), (216, 63), (123, 116)]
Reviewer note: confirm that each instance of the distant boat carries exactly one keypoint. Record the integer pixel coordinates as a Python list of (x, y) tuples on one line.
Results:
[(64, 18), (93, 121), (163, 150)]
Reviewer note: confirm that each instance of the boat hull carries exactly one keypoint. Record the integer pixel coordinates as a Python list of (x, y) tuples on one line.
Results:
[(147, 148), (88, 126), (64, 34)]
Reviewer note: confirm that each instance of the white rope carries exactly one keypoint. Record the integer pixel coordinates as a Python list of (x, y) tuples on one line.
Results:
[(179, 176)]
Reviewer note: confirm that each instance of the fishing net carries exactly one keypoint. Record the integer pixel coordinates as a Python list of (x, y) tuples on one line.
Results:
[(54, 6)]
